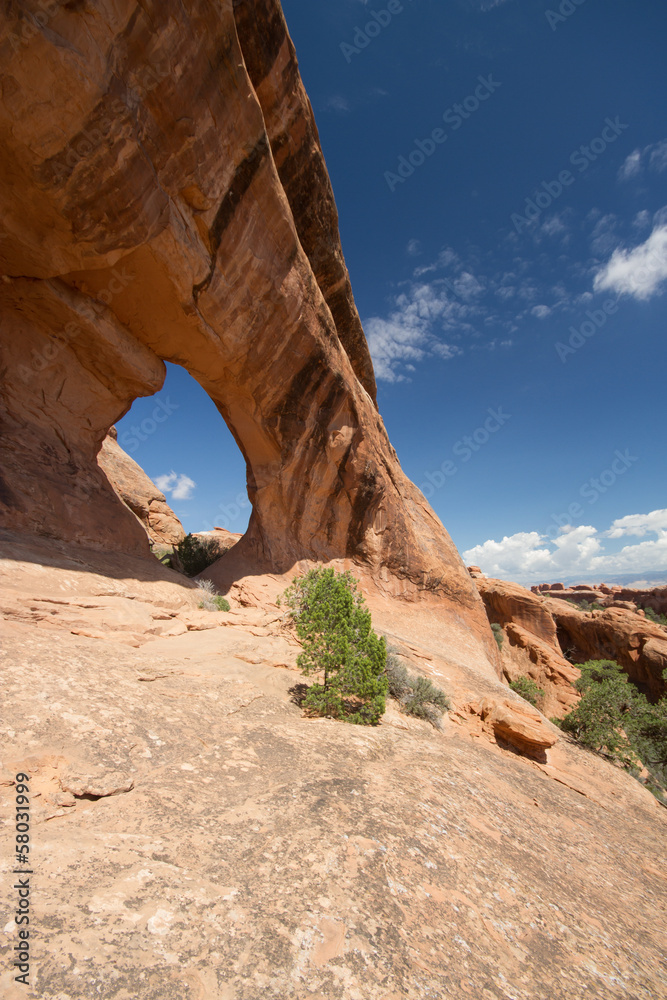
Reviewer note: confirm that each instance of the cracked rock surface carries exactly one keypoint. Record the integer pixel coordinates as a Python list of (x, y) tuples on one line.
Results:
[(193, 836)]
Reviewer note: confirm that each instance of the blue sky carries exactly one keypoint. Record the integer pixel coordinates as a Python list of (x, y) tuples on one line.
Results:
[(500, 171)]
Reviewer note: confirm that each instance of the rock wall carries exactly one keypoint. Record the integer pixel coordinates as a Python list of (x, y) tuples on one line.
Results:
[(615, 634), (139, 493), (165, 197), (530, 644)]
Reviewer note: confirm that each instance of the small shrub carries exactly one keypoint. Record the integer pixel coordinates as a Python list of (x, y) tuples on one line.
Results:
[(528, 690), (497, 633), (197, 554), (339, 644), (398, 678), (416, 695), (211, 600), (654, 617)]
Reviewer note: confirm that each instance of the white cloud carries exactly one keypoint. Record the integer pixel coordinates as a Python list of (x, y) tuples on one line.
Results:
[(639, 272), (553, 226), (337, 103), (411, 331), (531, 557), (639, 524), (541, 311), (631, 166), (180, 486), (653, 157), (414, 248), (658, 158)]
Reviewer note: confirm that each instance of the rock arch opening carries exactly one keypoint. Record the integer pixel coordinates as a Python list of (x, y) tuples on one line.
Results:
[(182, 443)]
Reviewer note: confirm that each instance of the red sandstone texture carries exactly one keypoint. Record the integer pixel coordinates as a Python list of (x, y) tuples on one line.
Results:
[(656, 598), (540, 629), (615, 634), (530, 647), (139, 493), (165, 198)]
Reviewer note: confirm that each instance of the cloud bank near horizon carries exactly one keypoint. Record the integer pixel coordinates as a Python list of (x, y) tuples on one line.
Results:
[(531, 557)]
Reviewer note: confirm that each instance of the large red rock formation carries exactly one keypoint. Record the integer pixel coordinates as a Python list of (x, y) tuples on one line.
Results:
[(615, 634), (164, 197), (139, 493), (530, 647)]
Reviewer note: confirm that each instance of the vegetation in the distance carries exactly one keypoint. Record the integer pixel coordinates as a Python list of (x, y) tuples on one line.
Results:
[(197, 554), (529, 690), (416, 695), (211, 600), (616, 720), (497, 633), (654, 617), (586, 605), (339, 647)]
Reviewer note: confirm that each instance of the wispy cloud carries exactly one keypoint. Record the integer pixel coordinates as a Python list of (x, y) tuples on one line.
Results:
[(639, 272), (631, 166), (180, 486), (462, 301), (337, 103), (652, 158), (414, 331), (530, 556)]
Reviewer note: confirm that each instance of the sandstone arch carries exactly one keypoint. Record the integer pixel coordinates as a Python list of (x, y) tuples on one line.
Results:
[(165, 198)]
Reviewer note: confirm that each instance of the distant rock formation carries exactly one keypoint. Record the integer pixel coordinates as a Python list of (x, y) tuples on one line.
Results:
[(630, 597), (530, 647), (542, 629), (139, 493), (614, 634)]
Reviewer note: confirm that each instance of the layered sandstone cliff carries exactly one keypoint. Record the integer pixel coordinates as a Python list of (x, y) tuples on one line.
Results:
[(530, 645), (540, 629), (165, 197), (139, 493), (615, 634)]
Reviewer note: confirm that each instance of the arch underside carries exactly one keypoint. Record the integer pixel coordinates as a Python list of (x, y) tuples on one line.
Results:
[(166, 199)]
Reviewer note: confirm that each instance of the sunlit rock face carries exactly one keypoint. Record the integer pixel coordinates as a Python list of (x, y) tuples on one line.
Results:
[(165, 198)]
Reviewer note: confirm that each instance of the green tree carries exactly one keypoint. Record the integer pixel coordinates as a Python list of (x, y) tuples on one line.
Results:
[(617, 720), (339, 644), (654, 617), (528, 689), (196, 554), (600, 720)]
